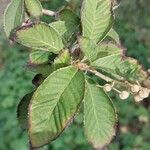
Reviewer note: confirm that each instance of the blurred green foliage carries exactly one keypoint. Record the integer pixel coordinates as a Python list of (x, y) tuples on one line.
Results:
[(15, 82), (133, 25)]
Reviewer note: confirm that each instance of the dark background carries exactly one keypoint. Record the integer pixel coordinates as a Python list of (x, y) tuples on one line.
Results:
[(133, 25)]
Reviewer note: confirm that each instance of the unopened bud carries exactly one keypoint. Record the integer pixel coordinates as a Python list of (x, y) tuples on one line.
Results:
[(124, 95), (144, 93), (135, 88), (138, 98), (107, 87)]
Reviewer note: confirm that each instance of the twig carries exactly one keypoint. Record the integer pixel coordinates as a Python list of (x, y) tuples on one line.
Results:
[(49, 12), (116, 90), (107, 79), (84, 67)]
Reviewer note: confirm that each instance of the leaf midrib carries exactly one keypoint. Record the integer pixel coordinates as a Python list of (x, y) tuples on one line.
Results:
[(16, 12), (91, 95), (40, 56), (8, 8), (42, 42), (58, 98), (94, 22)]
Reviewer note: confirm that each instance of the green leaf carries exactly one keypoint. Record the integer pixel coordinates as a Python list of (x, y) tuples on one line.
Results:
[(40, 36), (44, 69), (72, 23), (92, 51), (108, 63), (108, 48), (131, 70), (74, 5), (63, 60), (59, 26), (34, 7), (108, 56), (14, 15), (22, 110), (39, 57), (54, 104), (97, 19), (40, 63), (99, 116), (114, 35), (88, 47), (111, 61)]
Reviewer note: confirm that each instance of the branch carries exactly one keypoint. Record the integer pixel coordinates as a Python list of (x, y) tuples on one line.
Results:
[(49, 12), (84, 67), (107, 79)]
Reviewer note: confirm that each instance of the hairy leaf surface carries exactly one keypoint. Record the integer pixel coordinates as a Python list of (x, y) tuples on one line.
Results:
[(88, 48), (54, 104), (114, 35), (92, 51), (40, 36), (63, 60), (59, 26), (115, 64), (97, 18), (34, 7), (99, 116), (72, 23), (14, 15), (107, 49), (44, 69), (108, 55), (39, 57)]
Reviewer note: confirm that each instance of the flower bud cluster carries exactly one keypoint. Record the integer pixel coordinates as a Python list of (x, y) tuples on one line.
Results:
[(123, 95), (108, 87), (139, 92)]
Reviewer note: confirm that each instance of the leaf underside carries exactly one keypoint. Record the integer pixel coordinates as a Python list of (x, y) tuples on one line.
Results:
[(54, 104), (99, 116), (59, 26), (39, 57), (88, 48), (94, 52), (114, 36), (44, 69), (97, 19), (61, 88), (34, 7), (14, 15), (72, 23), (40, 36), (127, 68), (63, 60)]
